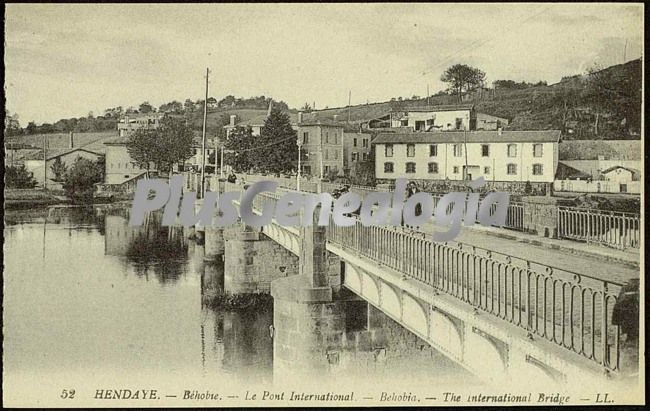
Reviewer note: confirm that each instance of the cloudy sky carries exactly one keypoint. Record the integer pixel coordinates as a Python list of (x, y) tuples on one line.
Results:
[(63, 61)]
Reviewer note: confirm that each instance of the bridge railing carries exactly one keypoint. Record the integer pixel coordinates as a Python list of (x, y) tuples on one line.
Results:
[(569, 309), (615, 229)]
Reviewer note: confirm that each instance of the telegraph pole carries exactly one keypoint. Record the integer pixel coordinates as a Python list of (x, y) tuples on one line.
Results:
[(44, 163), (205, 119), (349, 102), (466, 165)]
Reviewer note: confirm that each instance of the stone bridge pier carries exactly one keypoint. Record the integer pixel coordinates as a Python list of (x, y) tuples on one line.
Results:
[(252, 260), (312, 313)]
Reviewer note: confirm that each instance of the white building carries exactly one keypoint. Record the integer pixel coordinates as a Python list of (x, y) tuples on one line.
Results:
[(509, 156), (436, 118)]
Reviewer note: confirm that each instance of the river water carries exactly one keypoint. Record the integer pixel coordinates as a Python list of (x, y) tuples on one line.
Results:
[(88, 298)]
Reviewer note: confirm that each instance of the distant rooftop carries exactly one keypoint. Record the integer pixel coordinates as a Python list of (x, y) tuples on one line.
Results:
[(541, 136)]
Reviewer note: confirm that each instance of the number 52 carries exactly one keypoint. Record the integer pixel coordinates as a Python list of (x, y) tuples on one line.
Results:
[(67, 394)]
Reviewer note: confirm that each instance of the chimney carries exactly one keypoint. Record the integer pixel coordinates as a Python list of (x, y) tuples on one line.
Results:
[(233, 119), (499, 131), (299, 117), (336, 117), (71, 139)]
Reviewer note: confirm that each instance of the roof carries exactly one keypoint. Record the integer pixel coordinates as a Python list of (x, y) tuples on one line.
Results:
[(455, 107), (631, 170), (318, 122), (591, 149), (541, 136), (258, 119), (54, 153), (567, 172)]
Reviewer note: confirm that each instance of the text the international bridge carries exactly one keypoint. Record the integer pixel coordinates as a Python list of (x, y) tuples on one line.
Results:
[(570, 309)]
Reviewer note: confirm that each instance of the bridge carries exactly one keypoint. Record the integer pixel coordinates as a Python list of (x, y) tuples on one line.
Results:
[(498, 315)]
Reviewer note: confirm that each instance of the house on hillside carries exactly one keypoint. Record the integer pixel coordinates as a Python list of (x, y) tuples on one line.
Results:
[(436, 118), (489, 122), (255, 122), (498, 156), (129, 123)]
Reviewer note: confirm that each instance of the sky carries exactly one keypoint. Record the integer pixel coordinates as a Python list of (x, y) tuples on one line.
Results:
[(65, 60)]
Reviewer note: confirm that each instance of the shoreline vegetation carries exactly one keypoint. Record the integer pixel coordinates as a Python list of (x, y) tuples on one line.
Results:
[(26, 198)]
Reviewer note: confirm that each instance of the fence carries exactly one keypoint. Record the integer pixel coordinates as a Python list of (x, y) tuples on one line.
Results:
[(619, 230), (568, 309), (615, 229)]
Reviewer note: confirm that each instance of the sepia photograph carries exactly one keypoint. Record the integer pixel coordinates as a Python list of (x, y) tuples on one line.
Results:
[(323, 205)]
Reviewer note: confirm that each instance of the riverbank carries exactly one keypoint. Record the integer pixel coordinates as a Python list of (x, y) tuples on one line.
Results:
[(20, 199), (31, 197)]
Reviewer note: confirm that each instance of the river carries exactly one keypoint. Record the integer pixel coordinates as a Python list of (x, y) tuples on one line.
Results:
[(88, 298)]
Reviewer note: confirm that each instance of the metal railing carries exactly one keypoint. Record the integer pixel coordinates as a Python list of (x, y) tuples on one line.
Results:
[(615, 229), (569, 309)]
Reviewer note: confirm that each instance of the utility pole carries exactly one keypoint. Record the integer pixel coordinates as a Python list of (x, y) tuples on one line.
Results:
[(299, 163), (427, 95), (221, 166), (625, 51), (349, 102), (205, 119), (466, 164), (44, 163)]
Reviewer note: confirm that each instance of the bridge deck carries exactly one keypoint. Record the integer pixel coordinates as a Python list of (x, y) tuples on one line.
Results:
[(559, 258)]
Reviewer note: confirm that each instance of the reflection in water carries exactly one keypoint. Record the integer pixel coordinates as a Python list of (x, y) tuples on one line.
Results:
[(149, 247), (91, 269)]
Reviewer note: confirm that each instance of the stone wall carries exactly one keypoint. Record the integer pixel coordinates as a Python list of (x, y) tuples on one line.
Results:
[(252, 260)]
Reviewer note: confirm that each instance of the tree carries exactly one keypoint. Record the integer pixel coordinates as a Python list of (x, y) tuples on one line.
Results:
[(19, 177), (12, 126), (306, 107), (141, 146), (31, 128), (238, 147), (146, 108), (58, 169), (79, 182), (169, 144), (461, 77), (278, 147), (189, 105)]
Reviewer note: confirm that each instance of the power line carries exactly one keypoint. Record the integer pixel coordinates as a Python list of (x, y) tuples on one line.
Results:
[(478, 43)]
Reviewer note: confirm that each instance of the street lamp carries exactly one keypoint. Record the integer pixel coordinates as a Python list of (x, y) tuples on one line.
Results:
[(299, 165)]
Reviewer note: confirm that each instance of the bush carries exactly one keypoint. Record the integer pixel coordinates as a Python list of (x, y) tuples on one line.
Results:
[(80, 179), (19, 177)]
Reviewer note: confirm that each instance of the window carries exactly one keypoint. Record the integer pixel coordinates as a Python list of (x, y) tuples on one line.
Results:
[(327, 154), (433, 150), (455, 169), (537, 150), (486, 170), (459, 123), (389, 150), (433, 168), (354, 142), (538, 169), (410, 150), (366, 156), (355, 156), (327, 169), (485, 150), (512, 169), (458, 150), (388, 167), (419, 125), (336, 154), (512, 150), (410, 168), (365, 143), (305, 137)]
